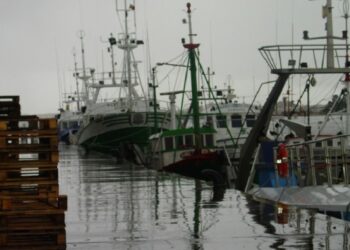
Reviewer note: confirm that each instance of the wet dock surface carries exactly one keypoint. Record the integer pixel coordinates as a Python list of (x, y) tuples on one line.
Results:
[(120, 206)]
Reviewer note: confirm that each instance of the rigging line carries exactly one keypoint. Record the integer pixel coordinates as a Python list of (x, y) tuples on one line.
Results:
[(138, 74), (172, 69), (183, 96), (178, 75), (325, 93), (332, 92), (178, 56), (121, 26)]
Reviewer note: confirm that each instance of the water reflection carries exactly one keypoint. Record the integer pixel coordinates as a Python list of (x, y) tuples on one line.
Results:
[(114, 206)]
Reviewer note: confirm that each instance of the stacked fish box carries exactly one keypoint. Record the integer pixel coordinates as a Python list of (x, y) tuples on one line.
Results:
[(32, 212)]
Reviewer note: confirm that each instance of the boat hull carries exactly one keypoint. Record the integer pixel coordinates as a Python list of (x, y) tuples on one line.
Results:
[(111, 132), (200, 165)]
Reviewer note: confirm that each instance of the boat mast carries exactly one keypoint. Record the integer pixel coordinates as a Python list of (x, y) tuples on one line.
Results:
[(128, 59), (112, 41), (76, 79), (327, 13), (85, 77), (193, 68), (127, 43), (154, 87)]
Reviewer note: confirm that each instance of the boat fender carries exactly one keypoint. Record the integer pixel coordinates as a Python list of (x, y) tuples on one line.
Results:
[(282, 160)]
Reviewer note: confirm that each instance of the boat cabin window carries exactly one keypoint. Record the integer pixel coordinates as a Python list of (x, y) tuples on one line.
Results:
[(189, 140), (179, 141), (209, 140), (236, 121), (209, 121), (221, 121), (250, 120), (169, 143)]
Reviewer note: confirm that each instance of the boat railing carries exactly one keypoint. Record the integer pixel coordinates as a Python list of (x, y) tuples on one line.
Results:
[(304, 58), (317, 162), (111, 79)]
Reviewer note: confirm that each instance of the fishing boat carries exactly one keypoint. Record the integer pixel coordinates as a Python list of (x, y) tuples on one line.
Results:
[(74, 103), (127, 118), (68, 124), (190, 150), (231, 118), (70, 116), (312, 172)]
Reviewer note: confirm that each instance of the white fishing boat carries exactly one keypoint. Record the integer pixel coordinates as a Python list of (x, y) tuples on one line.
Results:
[(232, 119), (127, 118)]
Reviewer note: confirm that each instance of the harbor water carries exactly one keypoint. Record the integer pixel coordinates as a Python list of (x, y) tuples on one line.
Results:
[(124, 206)]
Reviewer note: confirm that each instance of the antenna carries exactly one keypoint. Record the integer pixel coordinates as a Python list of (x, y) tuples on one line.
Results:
[(189, 11)]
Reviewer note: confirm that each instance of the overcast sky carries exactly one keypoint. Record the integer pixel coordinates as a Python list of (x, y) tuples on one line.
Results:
[(38, 37)]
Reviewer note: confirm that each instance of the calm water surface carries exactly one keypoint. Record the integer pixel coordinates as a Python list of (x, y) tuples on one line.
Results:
[(120, 206)]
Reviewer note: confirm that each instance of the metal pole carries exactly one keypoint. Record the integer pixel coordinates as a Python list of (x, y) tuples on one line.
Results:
[(253, 170), (154, 98), (86, 95), (329, 28), (328, 163), (193, 68), (312, 165), (128, 57), (344, 160), (76, 79), (112, 58), (308, 102)]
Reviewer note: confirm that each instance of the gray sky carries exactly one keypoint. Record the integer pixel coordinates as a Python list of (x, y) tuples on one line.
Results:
[(38, 36)]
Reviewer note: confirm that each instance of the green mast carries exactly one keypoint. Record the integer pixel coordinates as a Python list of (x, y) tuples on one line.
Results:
[(193, 68)]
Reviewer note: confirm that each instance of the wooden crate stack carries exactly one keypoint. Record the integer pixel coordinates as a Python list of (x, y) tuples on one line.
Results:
[(31, 209)]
